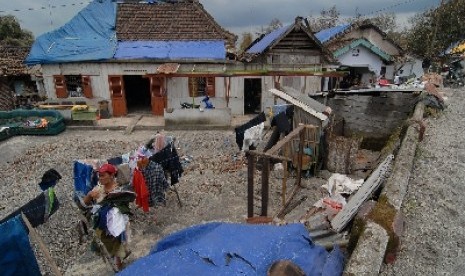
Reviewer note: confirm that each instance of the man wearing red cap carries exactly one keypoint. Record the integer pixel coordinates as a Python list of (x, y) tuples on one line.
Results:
[(107, 184)]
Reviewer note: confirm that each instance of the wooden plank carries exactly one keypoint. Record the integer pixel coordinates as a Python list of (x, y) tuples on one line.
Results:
[(131, 125), (265, 186), (341, 220), (282, 142), (299, 103), (250, 177), (270, 156), (42, 246)]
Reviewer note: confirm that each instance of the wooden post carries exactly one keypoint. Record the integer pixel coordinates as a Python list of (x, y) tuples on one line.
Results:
[(42, 246), (250, 179), (265, 185), (284, 187), (299, 156)]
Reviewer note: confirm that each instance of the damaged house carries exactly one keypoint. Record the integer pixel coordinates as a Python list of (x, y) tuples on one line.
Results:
[(364, 49), (143, 56), (17, 88)]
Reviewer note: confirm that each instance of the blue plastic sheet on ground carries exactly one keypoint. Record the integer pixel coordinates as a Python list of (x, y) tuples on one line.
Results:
[(327, 34), (171, 50), (16, 256), (236, 249), (267, 40), (89, 36)]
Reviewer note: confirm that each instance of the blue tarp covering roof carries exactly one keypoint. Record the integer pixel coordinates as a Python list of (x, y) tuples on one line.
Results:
[(326, 34), (236, 249), (89, 36), (16, 256), (267, 40), (172, 50)]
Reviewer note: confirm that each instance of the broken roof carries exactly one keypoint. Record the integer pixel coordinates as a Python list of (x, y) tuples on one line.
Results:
[(332, 35), (268, 41), (11, 60)]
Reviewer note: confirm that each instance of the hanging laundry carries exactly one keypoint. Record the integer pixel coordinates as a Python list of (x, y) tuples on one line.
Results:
[(16, 256), (82, 178), (253, 136), (49, 179), (168, 158), (123, 177), (156, 183), (240, 130), (39, 209), (141, 190), (115, 160)]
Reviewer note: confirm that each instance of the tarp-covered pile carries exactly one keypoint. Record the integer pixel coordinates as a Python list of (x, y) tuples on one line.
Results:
[(236, 249)]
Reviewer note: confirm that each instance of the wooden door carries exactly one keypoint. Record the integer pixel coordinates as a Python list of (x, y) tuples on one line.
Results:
[(118, 97), (87, 87), (157, 96), (60, 86)]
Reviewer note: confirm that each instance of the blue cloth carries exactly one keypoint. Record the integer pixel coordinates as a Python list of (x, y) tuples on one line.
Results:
[(267, 40), (82, 178), (327, 34), (171, 50), (16, 256), (89, 36), (236, 249)]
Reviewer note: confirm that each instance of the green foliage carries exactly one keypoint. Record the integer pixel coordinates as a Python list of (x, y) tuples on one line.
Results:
[(11, 33), (433, 31)]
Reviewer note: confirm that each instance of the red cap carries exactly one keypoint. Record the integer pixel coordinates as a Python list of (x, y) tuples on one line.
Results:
[(108, 168)]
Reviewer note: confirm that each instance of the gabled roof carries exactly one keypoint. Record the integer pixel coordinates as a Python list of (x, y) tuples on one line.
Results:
[(11, 60), (266, 42), (331, 35), (173, 20), (365, 43)]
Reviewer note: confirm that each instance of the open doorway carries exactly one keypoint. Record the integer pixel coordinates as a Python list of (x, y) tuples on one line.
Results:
[(137, 94), (252, 96)]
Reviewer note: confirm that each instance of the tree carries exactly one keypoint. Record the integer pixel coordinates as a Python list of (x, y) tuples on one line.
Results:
[(11, 33), (274, 24), (433, 31), (246, 40), (327, 19)]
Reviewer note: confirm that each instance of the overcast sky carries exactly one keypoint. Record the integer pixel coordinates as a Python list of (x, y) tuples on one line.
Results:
[(40, 16)]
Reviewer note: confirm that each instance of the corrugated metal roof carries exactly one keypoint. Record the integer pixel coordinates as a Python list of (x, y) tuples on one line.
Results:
[(365, 43), (326, 34), (267, 40), (171, 50)]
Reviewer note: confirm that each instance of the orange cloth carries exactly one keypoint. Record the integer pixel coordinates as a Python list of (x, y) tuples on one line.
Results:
[(141, 190)]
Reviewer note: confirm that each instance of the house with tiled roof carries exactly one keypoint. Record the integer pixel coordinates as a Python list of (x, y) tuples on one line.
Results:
[(16, 85), (364, 49), (144, 56)]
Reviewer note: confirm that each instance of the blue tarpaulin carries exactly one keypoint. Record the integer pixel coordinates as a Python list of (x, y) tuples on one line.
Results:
[(16, 256), (89, 36), (236, 249), (171, 50), (326, 34), (267, 40)]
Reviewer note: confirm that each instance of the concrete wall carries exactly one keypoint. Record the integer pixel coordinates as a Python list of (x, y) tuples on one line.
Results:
[(362, 58), (376, 38)]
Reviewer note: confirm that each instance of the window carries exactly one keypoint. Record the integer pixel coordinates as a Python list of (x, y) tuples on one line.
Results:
[(72, 86), (201, 86)]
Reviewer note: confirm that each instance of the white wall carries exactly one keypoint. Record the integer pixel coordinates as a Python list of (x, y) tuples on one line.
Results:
[(365, 58)]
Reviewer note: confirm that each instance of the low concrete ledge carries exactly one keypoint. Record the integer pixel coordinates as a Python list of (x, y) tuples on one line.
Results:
[(196, 119), (369, 252)]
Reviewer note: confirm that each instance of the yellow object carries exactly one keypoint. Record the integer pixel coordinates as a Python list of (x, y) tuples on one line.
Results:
[(79, 108)]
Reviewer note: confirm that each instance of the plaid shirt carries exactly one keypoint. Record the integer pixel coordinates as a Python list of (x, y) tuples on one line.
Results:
[(156, 183)]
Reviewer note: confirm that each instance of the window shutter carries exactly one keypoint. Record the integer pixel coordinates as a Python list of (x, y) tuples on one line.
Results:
[(87, 87), (60, 86), (211, 86)]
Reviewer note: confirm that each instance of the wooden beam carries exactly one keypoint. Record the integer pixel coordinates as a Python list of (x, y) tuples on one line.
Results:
[(265, 185), (285, 140), (42, 246), (250, 180)]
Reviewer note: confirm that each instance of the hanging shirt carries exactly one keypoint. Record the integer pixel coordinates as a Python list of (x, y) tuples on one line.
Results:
[(168, 158), (141, 190), (253, 136), (156, 183)]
